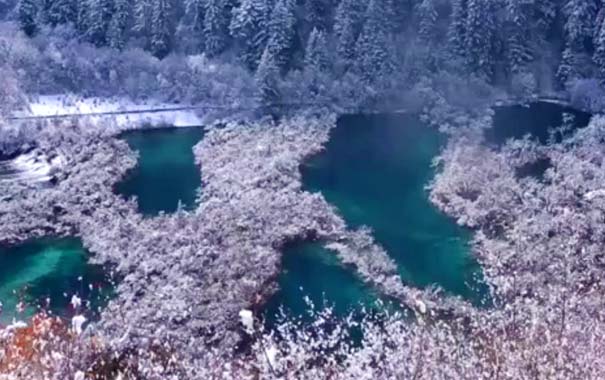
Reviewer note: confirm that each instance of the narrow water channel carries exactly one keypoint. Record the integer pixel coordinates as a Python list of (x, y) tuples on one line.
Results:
[(49, 269), (374, 170), (166, 174)]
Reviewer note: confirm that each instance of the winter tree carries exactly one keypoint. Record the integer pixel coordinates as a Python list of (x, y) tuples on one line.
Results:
[(347, 26), (116, 34), (161, 28), (82, 18), (545, 14), (579, 23), (427, 20), (98, 18), (457, 28), (316, 54), (26, 12), (282, 32), (267, 76), (519, 33), (579, 28), (373, 48), (11, 95), (249, 29), (61, 12), (216, 27), (319, 14), (479, 37), (193, 21), (599, 52), (142, 12)]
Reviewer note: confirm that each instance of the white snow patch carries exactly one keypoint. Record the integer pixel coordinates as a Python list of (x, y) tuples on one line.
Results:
[(76, 301), (594, 194), (76, 324), (272, 356), (247, 319)]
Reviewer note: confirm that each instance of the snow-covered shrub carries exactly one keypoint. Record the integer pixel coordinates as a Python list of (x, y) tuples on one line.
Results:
[(523, 85), (588, 94)]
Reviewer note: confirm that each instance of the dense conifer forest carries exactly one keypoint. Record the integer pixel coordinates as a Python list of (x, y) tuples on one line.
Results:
[(349, 53)]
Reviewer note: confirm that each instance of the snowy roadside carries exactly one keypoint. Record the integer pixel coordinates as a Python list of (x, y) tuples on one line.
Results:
[(120, 112)]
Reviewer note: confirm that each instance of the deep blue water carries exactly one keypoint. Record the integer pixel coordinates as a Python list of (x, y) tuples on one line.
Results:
[(537, 119)]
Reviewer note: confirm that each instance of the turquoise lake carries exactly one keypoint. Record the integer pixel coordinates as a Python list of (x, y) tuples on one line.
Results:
[(166, 173), (49, 268), (375, 170)]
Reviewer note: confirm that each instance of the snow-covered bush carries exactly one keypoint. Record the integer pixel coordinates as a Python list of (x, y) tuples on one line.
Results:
[(588, 94)]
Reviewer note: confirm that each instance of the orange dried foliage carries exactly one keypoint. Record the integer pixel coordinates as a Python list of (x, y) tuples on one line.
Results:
[(28, 347)]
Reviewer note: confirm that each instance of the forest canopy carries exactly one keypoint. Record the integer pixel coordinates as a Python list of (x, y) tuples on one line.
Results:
[(320, 50)]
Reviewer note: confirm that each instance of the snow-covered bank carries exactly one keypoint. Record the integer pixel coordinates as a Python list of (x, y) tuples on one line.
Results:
[(121, 112)]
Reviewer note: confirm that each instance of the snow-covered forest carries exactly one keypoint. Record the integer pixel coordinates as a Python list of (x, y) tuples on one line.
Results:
[(347, 53), (269, 79)]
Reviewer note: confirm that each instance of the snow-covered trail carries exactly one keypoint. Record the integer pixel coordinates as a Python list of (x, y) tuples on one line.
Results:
[(122, 112)]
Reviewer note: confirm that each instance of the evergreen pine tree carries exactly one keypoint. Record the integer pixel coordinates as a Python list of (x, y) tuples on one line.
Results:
[(161, 29), (143, 10), (347, 26), (282, 32), (427, 20), (82, 17), (567, 66), (195, 13), (374, 60), (61, 12), (519, 35), (545, 13), (579, 24), (579, 31), (116, 33), (99, 16), (216, 26), (319, 14), (267, 76), (599, 53), (249, 29), (317, 55), (27, 11), (457, 28), (479, 37)]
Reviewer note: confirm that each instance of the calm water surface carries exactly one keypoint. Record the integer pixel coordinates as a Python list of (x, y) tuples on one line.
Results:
[(374, 170), (166, 173), (537, 119)]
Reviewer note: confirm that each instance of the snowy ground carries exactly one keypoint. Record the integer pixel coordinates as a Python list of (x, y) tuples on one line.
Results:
[(125, 113)]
